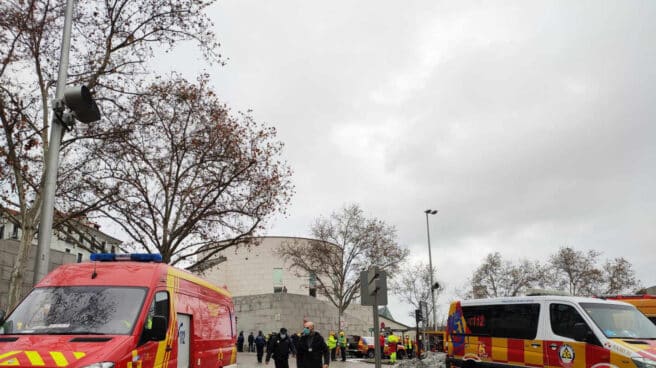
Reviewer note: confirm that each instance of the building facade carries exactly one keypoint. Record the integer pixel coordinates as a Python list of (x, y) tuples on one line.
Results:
[(269, 294)]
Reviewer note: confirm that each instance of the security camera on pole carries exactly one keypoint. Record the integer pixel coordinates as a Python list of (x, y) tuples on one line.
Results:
[(80, 106)]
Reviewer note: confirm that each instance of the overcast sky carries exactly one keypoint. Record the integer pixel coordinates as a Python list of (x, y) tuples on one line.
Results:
[(528, 125)]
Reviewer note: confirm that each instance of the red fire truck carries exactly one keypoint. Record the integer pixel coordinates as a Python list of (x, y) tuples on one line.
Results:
[(127, 311)]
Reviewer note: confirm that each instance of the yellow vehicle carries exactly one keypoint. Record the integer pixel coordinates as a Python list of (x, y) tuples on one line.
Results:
[(436, 339), (645, 303)]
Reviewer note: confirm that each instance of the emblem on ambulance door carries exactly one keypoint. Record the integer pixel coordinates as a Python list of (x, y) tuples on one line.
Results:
[(566, 354)]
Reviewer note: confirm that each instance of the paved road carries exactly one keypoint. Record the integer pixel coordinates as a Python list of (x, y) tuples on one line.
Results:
[(249, 360)]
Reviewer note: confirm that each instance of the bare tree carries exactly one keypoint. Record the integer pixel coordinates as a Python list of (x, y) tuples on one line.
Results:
[(619, 277), (413, 286), (497, 277), (188, 179), (112, 41), (570, 270), (346, 243), (576, 271)]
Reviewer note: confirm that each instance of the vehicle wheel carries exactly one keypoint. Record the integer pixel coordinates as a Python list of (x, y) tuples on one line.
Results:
[(371, 354)]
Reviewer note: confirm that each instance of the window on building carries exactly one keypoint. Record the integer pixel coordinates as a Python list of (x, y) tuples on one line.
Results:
[(2, 231), (69, 235), (104, 244), (14, 233), (277, 280), (313, 285), (79, 257), (113, 249), (68, 250)]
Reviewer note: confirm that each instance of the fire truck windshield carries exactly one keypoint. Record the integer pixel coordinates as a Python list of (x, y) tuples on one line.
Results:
[(102, 310)]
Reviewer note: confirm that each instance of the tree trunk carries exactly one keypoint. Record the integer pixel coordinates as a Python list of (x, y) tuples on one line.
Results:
[(339, 322), (18, 272)]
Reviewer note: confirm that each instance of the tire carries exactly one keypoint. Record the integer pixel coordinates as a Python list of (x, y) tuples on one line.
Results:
[(371, 354)]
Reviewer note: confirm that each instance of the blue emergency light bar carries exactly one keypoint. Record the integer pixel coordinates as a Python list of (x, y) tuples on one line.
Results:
[(137, 257)]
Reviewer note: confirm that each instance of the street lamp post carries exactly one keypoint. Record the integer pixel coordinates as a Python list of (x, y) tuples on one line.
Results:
[(82, 107), (430, 263)]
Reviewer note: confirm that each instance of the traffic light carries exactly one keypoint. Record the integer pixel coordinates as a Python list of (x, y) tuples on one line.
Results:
[(418, 315)]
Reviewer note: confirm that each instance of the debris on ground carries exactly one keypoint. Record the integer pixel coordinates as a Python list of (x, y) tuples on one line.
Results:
[(431, 360)]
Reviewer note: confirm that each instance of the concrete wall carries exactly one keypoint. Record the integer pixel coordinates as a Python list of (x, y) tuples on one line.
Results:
[(8, 254), (270, 312)]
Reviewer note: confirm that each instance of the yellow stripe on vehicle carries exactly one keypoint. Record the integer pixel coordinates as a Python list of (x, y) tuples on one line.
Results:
[(59, 358), (78, 354), (11, 361), (35, 358), (499, 349)]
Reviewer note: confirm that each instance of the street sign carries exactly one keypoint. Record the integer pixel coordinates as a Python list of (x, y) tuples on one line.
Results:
[(424, 310), (381, 294)]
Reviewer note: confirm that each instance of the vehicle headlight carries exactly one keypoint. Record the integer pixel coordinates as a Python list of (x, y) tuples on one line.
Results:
[(100, 365), (642, 362)]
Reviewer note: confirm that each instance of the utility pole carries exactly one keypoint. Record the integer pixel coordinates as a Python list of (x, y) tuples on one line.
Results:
[(42, 260), (430, 264), (81, 107)]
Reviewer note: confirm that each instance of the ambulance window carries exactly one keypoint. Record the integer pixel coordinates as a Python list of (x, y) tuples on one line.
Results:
[(161, 304), (563, 318), (515, 321), (478, 319), (159, 307)]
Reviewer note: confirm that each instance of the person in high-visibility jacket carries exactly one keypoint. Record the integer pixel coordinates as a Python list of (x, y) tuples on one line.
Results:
[(392, 341), (341, 341), (332, 345)]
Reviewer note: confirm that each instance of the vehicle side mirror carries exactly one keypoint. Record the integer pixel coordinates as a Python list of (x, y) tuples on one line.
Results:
[(580, 331), (158, 328)]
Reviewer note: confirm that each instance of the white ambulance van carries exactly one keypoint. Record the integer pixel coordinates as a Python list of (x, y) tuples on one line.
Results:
[(549, 332)]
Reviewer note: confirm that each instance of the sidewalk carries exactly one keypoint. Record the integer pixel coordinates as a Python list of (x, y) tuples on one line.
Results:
[(249, 360)]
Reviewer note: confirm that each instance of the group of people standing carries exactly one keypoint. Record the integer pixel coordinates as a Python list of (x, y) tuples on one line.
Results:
[(309, 347), (337, 342)]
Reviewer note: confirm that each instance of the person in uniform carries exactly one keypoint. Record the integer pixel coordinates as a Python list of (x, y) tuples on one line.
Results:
[(280, 347), (341, 341)]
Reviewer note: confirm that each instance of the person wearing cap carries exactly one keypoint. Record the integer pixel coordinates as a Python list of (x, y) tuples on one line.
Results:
[(312, 349), (280, 347), (341, 342)]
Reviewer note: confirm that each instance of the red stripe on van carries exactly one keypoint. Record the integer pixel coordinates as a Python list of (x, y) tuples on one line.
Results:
[(515, 350), (596, 354)]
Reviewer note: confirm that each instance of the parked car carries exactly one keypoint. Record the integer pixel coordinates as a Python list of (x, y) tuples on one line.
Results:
[(363, 346)]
